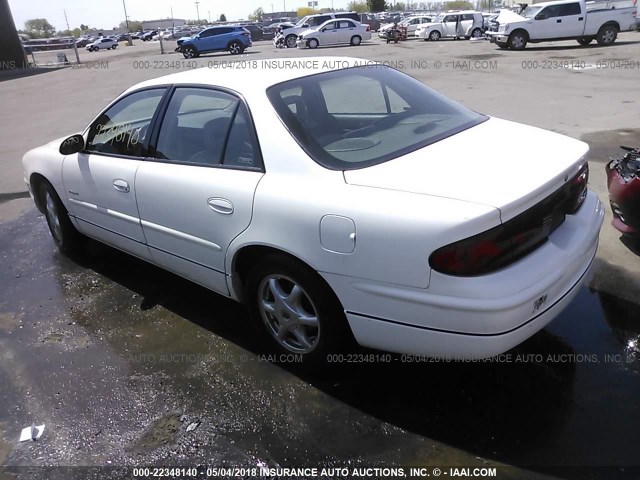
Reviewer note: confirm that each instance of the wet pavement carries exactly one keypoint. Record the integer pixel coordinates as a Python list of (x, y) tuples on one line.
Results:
[(120, 359)]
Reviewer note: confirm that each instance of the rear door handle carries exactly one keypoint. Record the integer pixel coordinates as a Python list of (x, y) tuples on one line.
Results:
[(220, 205), (121, 185), (558, 21), (580, 19)]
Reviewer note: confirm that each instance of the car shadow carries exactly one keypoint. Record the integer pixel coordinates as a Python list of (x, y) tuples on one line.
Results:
[(227, 54), (591, 46), (496, 409), (632, 244)]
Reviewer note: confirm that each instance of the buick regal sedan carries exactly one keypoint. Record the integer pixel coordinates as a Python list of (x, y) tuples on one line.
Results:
[(333, 216)]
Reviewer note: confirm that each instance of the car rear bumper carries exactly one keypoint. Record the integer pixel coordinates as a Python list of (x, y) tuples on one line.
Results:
[(476, 317)]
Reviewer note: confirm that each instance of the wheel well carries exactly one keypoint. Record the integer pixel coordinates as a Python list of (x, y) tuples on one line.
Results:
[(247, 257), (611, 24), (36, 181)]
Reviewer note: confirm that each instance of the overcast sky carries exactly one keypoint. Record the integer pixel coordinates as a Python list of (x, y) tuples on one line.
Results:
[(109, 13)]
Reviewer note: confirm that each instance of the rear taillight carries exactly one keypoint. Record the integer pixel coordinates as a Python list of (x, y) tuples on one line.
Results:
[(368, 28), (578, 189), (488, 251), (502, 245)]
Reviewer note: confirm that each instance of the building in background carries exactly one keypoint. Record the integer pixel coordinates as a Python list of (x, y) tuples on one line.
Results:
[(268, 18), (163, 23)]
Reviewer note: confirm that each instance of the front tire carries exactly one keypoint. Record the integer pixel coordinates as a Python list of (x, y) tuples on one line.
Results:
[(607, 35), (64, 234), (296, 309), (356, 40), (189, 52), (517, 41), (290, 41), (434, 36), (313, 43)]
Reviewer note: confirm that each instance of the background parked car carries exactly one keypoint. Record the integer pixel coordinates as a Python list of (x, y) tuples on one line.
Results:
[(335, 32), (411, 23), (371, 20), (465, 24), (102, 44), (256, 31), (233, 39), (311, 21), (148, 35)]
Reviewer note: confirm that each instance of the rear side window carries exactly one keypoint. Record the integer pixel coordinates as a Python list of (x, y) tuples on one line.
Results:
[(569, 9), (206, 127), (315, 21), (195, 126), (352, 16), (391, 115)]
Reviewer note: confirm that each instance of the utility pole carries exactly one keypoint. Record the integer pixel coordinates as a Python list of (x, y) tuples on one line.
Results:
[(173, 23), (126, 19), (67, 20), (197, 11)]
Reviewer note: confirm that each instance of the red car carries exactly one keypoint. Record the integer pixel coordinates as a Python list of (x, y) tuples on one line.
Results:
[(623, 181)]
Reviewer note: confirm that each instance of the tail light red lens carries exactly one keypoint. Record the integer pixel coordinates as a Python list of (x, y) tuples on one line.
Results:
[(368, 28), (502, 245), (578, 189)]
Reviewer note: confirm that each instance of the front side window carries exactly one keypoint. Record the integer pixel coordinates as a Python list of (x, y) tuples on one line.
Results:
[(391, 115), (123, 128)]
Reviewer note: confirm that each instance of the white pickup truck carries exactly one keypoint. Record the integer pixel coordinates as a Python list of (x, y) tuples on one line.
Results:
[(566, 20)]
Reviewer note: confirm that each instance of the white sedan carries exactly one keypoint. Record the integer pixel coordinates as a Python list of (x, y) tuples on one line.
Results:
[(334, 32), (333, 216), (102, 44)]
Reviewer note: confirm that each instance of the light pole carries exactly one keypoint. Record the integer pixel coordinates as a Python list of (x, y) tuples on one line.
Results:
[(197, 11)]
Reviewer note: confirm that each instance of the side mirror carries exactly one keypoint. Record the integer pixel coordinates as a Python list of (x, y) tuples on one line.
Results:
[(306, 25), (73, 144), (541, 16)]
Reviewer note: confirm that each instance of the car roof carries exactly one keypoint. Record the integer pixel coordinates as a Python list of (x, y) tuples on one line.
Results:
[(272, 71)]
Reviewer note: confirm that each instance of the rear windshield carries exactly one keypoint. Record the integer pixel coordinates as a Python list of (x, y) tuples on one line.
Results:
[(361, 116)]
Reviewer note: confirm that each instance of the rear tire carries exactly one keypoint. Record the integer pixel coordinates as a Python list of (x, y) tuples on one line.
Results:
[(296, 309), (64, 234), (476, 33), (607, 35), (356, 40)]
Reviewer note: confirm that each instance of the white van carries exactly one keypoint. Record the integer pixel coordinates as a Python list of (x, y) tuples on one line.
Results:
[(464, 24)]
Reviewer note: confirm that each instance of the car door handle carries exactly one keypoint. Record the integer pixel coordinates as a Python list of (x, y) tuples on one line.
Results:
[(220, 205), (121, 185), (558, 21), (580, 19)]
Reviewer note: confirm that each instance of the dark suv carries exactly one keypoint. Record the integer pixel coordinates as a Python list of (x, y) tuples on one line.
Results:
[(228, 38)]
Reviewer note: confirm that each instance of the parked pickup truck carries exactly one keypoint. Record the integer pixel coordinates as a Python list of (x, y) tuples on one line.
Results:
[(566, 20)]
